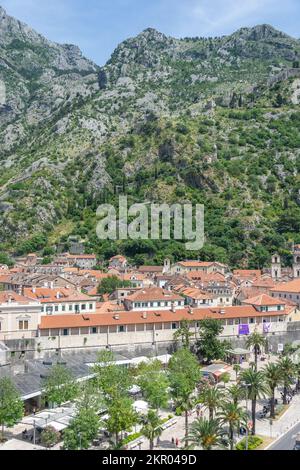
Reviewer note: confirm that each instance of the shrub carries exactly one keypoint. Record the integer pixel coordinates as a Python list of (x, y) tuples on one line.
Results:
[(131, 438), (253, 443)]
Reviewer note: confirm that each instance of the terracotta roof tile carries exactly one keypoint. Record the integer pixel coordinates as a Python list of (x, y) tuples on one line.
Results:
[(153, 316)]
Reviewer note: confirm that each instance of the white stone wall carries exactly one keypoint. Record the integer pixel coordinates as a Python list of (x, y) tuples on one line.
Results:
[(145, 336), (11, 314)]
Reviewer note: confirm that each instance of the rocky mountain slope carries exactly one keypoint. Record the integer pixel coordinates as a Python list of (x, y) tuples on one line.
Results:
[(212, 120)]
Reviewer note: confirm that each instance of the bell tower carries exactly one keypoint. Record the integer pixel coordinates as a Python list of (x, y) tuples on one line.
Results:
[(296, 262), (167, 266), (276, 266)]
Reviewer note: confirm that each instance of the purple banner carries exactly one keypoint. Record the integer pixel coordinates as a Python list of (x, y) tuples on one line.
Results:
[(267, 327), (244, 330)]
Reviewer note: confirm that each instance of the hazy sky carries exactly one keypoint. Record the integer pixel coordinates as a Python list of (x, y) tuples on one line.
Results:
[(98, 26)]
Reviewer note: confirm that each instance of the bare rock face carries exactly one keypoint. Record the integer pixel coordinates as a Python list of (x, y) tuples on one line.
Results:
[(71, 131), (37, 75)]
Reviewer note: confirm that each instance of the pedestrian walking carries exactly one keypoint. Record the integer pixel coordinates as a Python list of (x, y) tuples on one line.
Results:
[(173, 441), (177, 442)]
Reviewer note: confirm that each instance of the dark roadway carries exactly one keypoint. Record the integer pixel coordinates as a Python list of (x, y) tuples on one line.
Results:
[(287, 441)]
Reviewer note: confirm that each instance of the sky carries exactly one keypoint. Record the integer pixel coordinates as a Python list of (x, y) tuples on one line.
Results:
[(98, 26)]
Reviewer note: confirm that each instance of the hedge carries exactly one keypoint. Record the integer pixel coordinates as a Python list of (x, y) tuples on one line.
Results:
[(253, 443)]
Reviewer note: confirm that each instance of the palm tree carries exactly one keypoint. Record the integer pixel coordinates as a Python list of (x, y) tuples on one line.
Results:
[(236, 368), (273, 377), (232, 415), (236, 393), (288, 371), (297, 368), (151, 427), (211, 397), (206, 433), (256, 388), (257, 341)]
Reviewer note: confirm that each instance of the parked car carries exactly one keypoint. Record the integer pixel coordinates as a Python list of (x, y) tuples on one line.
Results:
[(297, 443)]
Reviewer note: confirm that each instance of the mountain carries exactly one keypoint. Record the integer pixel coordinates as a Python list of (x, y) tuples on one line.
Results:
[(211, 120)]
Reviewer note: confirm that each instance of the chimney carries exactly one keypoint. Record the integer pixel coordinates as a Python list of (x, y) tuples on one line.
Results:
[(57, 295), (173, 309), (191, 311), (117, 317), (33, 289), (145, 315)]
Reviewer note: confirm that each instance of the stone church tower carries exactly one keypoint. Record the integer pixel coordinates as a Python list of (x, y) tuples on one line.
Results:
[(296, 262), (276, 266)]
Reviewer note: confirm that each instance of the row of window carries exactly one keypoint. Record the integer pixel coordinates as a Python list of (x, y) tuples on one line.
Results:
[(49, 309), (156, 304), (285, 296), (266, 309), (148, 327), (22, 324)]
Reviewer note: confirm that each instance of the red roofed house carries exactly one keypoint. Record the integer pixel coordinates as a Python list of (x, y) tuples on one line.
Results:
[(156, 325), (153, 297), (118, 262), (61, 301), (289, 291), (182, 267)]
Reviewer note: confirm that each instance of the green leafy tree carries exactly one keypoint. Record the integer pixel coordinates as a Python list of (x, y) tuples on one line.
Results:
[(5, 259), (50, 437), (257, 341), (122, 416), (110, 284), (288, 372), (184, 375), (154, 384), (273, 377), (232, 415), (212, 398), (82, 430), (256, 388), (184, 333), (206, 434), (11, 406), (209, 347), (113, 380), (60, 386), (151, 427)]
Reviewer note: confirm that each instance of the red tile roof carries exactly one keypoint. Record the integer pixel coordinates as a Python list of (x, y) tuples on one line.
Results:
[(263, 299), (195, 264), (247, 273), (57, 295), (291, 286), (152, 294), (151, 269), (153, 316), (206, 277), (10, 296)]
